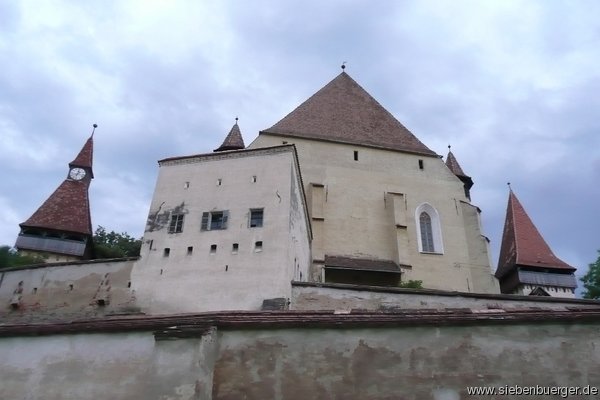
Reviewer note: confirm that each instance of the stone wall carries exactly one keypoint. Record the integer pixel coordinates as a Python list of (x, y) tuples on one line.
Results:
[(300, 355), (75, 289)]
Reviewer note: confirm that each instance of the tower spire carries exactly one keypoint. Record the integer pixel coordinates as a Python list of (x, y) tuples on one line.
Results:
[(456, 169), (234, 140)]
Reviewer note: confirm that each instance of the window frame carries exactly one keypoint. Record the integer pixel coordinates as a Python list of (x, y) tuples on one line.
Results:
[(176, 223), (436, 230), (260, 223), (208, 223)]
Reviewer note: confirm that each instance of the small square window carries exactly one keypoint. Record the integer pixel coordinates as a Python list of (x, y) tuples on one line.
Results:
[(186, 185), (253, 178), (190, 250), (258, 246), (213, 249), (256, 218), (234, 248), (219, 182), (176, 224), (166, 252)]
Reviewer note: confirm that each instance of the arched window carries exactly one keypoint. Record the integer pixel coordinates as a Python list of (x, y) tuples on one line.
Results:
[(429, 232), (426, 232)]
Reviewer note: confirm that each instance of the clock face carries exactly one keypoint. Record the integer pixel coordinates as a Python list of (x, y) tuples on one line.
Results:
[(77, 174)]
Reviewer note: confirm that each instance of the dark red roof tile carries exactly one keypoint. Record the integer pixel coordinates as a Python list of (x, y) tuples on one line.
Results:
[(343, 111), (233, 141), (85, 156), (67, 209), (522, 243), (454, 166)]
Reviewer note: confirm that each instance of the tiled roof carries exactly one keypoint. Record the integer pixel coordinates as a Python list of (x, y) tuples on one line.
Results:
[(453, 165), (522, 243), (67, 209), (233, 141), (343, 111), (84, 158), (364, 264)]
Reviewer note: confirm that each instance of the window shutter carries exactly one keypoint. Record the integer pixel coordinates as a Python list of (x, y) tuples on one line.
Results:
[(204, 226), (225, 217)]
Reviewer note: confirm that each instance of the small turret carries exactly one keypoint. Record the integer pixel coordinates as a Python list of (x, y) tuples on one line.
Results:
[(454, 166), (234, 140)]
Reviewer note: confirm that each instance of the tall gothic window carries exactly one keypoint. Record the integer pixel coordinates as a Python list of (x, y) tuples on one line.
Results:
[(426, 233)]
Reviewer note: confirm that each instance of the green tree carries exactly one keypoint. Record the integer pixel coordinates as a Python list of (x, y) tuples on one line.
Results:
[(115, 245), (591, 280), (412, 284), (10, 257)]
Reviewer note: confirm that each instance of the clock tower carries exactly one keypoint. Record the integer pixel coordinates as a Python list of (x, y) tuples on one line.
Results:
[(61, 229)]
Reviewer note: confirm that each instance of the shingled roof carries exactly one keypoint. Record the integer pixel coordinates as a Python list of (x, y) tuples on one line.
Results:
[(233, 141), (522, 243), (453, 165), (67, 209), (342, 111), (85, 156)]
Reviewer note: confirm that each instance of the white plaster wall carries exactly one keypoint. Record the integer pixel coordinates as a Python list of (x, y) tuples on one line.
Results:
[(70, 289), (357, 223), (202, 281)]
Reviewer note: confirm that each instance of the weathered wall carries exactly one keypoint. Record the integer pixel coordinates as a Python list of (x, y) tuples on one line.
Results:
[(403, 363), (366, 208), (67, 289), (193, 278), (106, 366), (403, 358), (306, 296)]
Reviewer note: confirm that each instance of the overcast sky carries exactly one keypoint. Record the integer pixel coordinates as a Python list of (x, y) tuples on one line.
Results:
[(512, 85)]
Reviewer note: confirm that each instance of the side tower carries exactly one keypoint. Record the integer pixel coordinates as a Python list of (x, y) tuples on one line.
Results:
[(384, 207), (527, 265), (227, 230), (61, 229)]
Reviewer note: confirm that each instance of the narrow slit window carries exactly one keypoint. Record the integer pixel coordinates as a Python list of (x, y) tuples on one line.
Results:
[(213, 249), (235, 247), (190, 250), (355, 155), (166, 252), (253, 178), (186, 185), (421, 166), (219, 182)]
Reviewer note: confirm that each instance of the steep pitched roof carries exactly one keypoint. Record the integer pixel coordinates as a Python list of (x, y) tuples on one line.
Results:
[(234, 140), (522, 243), (453, 165), (85, 156), (342, 111), (67, 209)]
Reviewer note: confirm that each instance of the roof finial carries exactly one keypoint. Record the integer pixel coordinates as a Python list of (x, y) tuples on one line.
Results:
[(94, 130), (236, 120), (344, 65), (509, 187), (449, 146)]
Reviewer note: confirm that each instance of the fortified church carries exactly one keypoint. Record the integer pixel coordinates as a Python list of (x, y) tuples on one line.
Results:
[(289, 269), (338, 191)]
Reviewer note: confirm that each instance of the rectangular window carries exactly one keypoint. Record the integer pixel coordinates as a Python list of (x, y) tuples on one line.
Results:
[(214, 220), (213, 249), (421, 165), (355, 155), (253, 178), (256, 218), (190, 250), (258, 246), (166, 252), (176, 224)]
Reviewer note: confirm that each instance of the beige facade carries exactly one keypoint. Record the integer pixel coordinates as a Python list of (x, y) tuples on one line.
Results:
[(226, 231), (365, 202)]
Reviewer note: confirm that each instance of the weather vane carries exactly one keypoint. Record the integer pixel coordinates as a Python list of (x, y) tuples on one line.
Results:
[(94, 130)]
